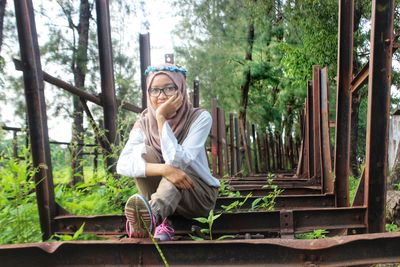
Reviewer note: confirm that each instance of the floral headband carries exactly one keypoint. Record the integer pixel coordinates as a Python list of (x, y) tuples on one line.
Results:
[(170, 68)]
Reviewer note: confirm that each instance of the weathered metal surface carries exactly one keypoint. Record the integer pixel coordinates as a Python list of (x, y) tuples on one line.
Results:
[(316, 92), (343, 102), (310, 127), (327, 178), (378, 112), (338, 251), (214, 137), (229, 223), (284, 201), (37, 118), (145, 61), (360, 79)]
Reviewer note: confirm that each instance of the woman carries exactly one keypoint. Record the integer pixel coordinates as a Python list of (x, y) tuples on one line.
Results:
[(165, 153)]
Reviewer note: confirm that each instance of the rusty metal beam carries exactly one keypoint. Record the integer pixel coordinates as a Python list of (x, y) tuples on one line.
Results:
[(365, 249), (37, 118), (107, 80), (360, 79), (283, 201), (316, 92), (343, 102), (145, 61), (378, 112), (214, 137), (327, 178), (229, 223)]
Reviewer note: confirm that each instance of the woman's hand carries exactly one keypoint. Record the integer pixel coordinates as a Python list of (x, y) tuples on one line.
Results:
[(169, 108), (178, 177)]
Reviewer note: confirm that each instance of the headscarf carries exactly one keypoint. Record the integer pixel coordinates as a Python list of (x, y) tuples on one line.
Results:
[(184, 116)]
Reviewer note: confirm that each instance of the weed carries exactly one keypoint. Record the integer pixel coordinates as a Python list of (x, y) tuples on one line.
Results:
[(210, 221), (392, 227), (267, 202), (316, 234), (226, 191), (236, 205)]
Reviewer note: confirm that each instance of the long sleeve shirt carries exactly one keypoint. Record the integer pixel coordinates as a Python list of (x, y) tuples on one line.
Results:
[(190, 154)]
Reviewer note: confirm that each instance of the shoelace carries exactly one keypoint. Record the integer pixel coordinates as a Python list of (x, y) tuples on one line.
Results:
[(164, 228)]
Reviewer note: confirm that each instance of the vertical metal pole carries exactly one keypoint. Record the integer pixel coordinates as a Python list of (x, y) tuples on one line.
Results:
[(37, 118), (327, 180), (214, 136), (253, 133), (237, 146), (232, 143), (317, 121), (343, 102), (108, 97), (267, 153), (380, 69), (196, 93), (310, 125), (145, 61), (15, 144), (221, 141)]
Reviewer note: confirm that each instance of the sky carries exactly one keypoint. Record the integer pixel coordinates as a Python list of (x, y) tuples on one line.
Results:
[(159, 15)]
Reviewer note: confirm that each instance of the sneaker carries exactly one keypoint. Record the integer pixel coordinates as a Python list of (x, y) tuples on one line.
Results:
[(139, 217), (164, 232)]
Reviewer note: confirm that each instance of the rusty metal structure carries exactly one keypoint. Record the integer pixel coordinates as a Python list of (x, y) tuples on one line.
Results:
[(312, 197)]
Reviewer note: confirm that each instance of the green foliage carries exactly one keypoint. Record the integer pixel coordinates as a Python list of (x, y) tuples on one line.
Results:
[(392, 227), (78, 235), (209, 221), (19, 218), (226, 191), (236, 205), (316, 234), (267, 202), (353, 185), (397, 186)]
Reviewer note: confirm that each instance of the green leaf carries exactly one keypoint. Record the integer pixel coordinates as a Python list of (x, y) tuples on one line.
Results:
[(79, 232), (201, 219), (225, 237), (196, 238)]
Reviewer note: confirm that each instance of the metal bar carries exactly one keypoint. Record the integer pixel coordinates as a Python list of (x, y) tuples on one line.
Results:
[(317, 121), (310, 125), (233, 169), (360, 79), (378, 112), (365, 249), (237, 146), (37, 118), (214, 136), (327, 178), (306, 219), (76, 91), (267, 153), (196, 93), (221, 141), (255, 141), (145, 61), (15, 144), (283, 201), (107, 80), (343, 102), (287, 225)]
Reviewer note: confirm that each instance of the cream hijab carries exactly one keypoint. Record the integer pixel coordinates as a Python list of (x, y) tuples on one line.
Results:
[(180, 123)]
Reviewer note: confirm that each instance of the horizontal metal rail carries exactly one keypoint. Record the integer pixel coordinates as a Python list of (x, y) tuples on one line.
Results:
[(289, 201), (229, 223), (338, 251)]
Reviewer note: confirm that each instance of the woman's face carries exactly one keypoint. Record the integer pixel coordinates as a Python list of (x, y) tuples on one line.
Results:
[(162, 88)]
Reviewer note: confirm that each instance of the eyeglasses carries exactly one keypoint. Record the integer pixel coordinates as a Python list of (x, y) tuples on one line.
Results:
[(168, 91)]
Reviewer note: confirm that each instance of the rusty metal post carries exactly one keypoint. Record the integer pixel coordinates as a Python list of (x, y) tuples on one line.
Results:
[(238, 150), (214, 136), (233, 166), (327, 178), (267, 153), (343, 102), (107, 80), (253, 133), (196, 93), (145, 61), (37, 118), (221, 141), (317, 120), (378, 111), (15, 144), (310, 127)]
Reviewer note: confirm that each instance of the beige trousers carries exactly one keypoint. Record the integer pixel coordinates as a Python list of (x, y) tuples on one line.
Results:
[(165, 199)]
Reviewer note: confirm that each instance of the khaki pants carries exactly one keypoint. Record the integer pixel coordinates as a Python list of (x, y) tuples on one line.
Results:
[(165, 199)]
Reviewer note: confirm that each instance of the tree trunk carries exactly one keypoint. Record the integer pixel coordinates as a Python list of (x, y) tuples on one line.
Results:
[(2, 13), (245, 87), (79, 67)]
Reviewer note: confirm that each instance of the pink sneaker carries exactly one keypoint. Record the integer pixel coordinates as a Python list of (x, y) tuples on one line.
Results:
[(164, 232), (138, 217)]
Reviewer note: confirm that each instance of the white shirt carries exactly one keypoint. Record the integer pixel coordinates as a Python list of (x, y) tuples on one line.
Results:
[(190, 153)]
